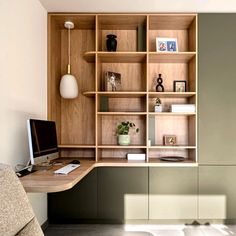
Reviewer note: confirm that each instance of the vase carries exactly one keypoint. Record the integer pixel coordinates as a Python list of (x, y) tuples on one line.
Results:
[(158, 108), (124, 139), (111, 43)]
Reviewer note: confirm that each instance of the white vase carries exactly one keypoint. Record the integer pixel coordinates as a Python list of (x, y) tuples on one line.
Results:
[(124, 139), (158, 108), (68, 87)]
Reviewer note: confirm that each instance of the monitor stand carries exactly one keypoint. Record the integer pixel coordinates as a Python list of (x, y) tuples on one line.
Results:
[(43, 166)]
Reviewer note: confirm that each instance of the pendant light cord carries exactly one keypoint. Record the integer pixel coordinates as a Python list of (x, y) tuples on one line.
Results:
[(69, 50)]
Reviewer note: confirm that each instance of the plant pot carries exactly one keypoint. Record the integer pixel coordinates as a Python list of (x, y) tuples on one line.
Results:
[(111, 43), (124, 139), (158, 108)]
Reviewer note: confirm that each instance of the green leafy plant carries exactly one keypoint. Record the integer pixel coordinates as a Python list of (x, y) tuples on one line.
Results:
[(158, 101), (124, 127)]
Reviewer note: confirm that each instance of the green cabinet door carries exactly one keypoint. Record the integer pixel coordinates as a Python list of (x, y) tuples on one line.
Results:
[(217, 192), (76, 204), (173, 193), (217, 88), (122, 193)]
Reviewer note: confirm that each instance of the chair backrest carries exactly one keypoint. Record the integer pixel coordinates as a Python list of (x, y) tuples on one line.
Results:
[(16, 213)]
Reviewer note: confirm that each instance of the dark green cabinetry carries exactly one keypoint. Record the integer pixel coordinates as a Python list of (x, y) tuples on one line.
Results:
[(75, 204), (217, 89), (173, 193), (123, 193)]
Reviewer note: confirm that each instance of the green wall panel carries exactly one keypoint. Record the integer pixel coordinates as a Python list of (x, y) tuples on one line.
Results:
[(173, 193), (217, 192), (217, 88), (122, 193)]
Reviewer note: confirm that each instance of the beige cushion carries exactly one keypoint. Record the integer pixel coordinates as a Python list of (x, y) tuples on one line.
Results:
[(15, 209), (32, 228)]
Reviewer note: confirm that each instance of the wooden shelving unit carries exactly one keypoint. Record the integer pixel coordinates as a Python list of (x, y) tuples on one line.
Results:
[(86, 125)]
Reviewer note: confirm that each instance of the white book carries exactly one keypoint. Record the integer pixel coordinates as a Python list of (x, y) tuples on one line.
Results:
[(136, 156), (183, 108)]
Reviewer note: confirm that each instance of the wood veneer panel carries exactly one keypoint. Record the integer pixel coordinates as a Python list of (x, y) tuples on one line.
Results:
[(132, 75), (181, 35), (171, 21), (170, 72), (81, 21), (78, 116), (107, 129), (172, 125), (126, 40), (54, 74), (166, 103)]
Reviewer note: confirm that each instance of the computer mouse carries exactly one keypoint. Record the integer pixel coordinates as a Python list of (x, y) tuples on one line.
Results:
[(75, 162)]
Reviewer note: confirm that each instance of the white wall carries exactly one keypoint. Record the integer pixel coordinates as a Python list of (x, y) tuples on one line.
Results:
[(139, 5), (23, 81)]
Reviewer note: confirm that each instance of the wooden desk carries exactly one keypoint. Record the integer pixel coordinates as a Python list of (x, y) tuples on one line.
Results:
[(46, 181)]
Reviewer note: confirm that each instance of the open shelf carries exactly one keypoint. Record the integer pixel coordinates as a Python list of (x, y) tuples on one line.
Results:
[(171, 94), (127, 94), (76, 146), (87, 125), (172, 113), (121, 147), (171, 57), (172, 147), (122, 113), (122, 57)]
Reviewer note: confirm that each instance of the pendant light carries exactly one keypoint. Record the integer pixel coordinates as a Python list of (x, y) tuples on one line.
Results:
[(68, 84)]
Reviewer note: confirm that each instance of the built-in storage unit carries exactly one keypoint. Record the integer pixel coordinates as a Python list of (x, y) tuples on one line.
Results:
[(87, 125)]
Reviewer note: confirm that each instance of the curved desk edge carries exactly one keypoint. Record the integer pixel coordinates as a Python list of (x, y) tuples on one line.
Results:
[(47, 182)]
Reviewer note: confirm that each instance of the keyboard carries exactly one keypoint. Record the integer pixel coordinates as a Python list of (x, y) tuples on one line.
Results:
[(66, 169)]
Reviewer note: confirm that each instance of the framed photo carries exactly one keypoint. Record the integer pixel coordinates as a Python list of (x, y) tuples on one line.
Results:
[(112, 81), (169, 140), (180, 86), (166, 45)]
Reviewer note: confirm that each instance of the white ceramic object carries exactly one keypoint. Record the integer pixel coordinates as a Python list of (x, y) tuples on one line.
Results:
[(68, 87), (158, 108), (124, 139)]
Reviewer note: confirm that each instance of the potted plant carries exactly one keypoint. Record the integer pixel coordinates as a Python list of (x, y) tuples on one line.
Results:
[(123, 129), (158, 106)]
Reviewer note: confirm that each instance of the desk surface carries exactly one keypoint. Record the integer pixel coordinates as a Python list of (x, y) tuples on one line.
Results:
[(46, 181)]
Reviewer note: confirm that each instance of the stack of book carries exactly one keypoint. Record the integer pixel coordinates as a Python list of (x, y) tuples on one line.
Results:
[(183, 108)]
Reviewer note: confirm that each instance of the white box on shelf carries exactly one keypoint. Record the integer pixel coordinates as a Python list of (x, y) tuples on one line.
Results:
[(183, 108), (136, 156)]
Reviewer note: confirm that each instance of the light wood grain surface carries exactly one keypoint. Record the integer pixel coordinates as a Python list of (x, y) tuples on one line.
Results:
[(47, 181)]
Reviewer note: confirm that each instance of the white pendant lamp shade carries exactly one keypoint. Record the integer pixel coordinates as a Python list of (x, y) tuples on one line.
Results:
[(68, 84), (68, 87)]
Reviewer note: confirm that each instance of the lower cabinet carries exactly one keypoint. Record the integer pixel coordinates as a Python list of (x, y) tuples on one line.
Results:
[(217, 192), (173, 193), (122, 193), (115, 194), (76, 204)]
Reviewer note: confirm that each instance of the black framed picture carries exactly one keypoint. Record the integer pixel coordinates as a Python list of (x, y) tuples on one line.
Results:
[(180, 86), (112, 81)]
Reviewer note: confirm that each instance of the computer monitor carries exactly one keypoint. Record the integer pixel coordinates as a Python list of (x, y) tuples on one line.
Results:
[(42, 138)]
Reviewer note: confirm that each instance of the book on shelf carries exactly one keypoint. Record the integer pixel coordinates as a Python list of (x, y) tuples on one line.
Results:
[(136, 156), (183, 108)]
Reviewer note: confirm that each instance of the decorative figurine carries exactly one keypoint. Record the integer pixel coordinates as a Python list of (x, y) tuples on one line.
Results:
[(111, 42), (159, 87), (158, 106)]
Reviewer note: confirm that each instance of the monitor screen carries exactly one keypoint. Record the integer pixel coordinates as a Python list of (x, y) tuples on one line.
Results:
[(42, 140)]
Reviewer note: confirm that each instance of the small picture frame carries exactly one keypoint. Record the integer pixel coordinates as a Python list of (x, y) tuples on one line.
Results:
[(166, 45), (112, 81), (180, 86), (169, 140)]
